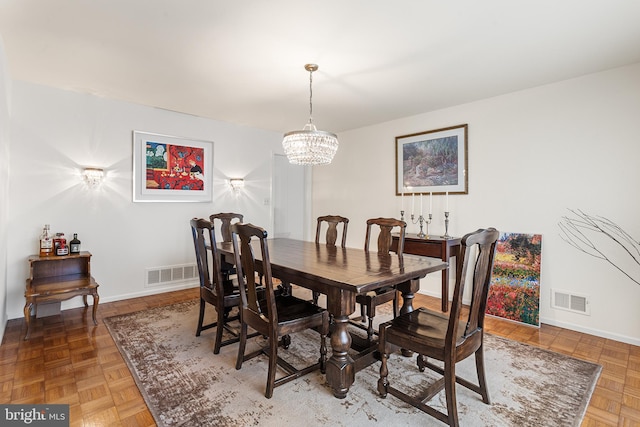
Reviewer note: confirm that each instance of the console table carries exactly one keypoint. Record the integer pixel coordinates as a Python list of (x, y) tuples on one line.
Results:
[(58, 278), (436, 247)]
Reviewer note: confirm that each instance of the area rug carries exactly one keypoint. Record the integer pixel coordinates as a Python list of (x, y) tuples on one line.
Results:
[(185, 384)]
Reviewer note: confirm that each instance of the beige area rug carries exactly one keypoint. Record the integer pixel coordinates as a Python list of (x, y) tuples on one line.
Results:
[(185, 384)]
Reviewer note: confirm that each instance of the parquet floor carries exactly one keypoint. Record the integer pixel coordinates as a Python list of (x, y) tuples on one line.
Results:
[(69, 360)]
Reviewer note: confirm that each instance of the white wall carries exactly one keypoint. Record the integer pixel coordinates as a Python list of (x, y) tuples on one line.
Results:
[(533, 155), (4, 182), (55, 133)]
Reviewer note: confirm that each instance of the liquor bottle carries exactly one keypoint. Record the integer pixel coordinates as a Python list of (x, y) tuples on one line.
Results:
[(60, 244), (46, 242), (74, 244)]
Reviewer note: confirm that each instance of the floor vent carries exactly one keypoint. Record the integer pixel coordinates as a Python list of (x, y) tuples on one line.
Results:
[(571, 302), (160, 276)]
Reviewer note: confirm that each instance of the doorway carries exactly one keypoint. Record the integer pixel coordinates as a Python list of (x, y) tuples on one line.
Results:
[(291, 199)]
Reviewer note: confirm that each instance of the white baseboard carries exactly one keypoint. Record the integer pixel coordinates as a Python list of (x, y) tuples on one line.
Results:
[(3, 326), (595, 332), (77, 302)]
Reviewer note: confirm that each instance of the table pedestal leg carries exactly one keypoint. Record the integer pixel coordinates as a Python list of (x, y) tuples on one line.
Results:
[(408, 293), (408, 290), (340, 367)]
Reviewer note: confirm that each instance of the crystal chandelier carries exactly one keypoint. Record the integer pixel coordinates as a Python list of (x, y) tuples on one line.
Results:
[(310, 146)]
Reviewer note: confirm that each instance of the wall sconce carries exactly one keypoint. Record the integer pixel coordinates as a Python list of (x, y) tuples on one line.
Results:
[(93, 177), (236, 184)]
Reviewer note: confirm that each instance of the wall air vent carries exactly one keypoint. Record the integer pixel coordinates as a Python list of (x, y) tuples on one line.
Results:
[(565, 300), (160, 276)]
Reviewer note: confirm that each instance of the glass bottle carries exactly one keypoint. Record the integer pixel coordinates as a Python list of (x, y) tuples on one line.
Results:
[(60, 244), (46, 242), (74, 245)]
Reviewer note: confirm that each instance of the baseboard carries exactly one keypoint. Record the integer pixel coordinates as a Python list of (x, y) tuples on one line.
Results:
[(77, 302), (3, 326), (595, 332)]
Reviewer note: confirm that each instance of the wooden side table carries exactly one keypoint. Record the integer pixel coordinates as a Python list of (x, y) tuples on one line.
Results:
[(436, 247), (58, 278)]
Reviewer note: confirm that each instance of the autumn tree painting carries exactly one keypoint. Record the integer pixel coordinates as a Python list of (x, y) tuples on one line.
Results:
[(514, 292), (431, 163)]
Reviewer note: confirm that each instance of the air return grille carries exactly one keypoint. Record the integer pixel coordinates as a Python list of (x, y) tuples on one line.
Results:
[(160, 276), (569, 301)]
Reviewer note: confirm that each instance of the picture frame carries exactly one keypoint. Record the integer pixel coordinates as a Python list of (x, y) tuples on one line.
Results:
[(171, 169), (434, 161)]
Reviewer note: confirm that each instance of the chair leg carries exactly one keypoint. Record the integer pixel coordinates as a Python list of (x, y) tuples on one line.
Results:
[(200, 318), (450, 393), (273, 363), (371, 313), (323, 353), (422, 362), (482, 381), (219, 329), (383, 381), (241, 345), (396, 300)]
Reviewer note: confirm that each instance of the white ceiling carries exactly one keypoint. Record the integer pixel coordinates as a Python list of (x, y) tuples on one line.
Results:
[(242, 61)]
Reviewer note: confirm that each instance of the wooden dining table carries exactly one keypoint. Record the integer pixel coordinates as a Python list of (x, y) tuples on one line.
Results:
[(341, 274)]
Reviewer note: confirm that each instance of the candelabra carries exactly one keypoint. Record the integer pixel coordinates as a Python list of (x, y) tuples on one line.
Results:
[(421, 219), (446, 225)]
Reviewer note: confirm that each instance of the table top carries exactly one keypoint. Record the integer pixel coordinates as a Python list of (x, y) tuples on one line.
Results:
[(350, 269)]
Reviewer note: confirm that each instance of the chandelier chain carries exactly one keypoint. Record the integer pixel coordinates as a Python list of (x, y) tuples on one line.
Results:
[(310, 97)]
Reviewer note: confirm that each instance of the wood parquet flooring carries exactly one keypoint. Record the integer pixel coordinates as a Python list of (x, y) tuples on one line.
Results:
[(69, 360)]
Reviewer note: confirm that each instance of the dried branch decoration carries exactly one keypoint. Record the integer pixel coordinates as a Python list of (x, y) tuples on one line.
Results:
[(575, 231)]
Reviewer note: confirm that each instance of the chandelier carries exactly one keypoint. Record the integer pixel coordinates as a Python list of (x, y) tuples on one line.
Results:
[(310, 146)]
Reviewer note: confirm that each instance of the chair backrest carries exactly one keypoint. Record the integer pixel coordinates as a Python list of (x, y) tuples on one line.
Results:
[(204, 240), (226, 219), (332, 229), (241, 236), (387, 226), (481, 261)]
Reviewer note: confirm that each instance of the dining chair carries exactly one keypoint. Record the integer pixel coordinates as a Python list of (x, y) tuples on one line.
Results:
[(276, 316), (331, 235), (447, 338), (222, 294), (225, 219), (370, 300)]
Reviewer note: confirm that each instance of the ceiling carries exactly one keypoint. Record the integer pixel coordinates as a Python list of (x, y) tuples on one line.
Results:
[(243, 61)]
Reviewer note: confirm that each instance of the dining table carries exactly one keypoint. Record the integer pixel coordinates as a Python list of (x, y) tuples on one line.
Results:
[(341, 274)]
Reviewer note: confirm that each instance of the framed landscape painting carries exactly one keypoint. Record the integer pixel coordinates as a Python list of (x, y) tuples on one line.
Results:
[(171, 169), (434, 161), (514, 292)]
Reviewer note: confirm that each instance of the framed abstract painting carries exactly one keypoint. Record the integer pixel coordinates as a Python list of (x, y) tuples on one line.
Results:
[(171, 169), (514, 292)]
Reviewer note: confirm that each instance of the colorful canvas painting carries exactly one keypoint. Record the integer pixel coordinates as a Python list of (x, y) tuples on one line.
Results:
[(171, 169), (174, 167), (514, 292)]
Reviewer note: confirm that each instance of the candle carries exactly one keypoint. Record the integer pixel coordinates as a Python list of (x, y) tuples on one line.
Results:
[(421, 210), (412, 202), (447, 197), (402, 199), (430, 203)]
